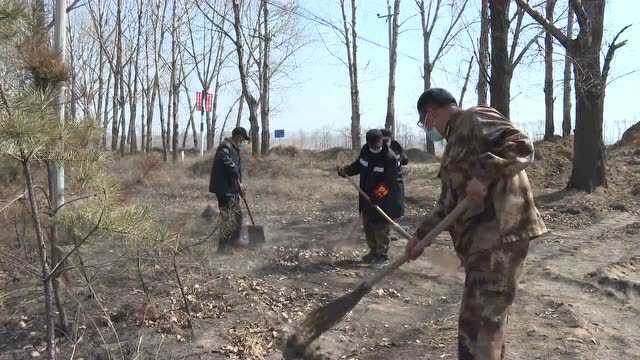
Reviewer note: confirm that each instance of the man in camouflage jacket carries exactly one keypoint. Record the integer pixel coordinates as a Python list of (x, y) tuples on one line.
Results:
[(484, 160)]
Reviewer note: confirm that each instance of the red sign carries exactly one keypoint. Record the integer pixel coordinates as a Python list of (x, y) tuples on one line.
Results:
[(208, 104), (198, 101)]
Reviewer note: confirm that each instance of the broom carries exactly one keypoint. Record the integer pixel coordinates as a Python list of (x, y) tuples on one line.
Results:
[(327, 316)]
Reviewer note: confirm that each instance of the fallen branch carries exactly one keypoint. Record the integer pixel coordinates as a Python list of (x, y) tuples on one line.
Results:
[(187, 307)]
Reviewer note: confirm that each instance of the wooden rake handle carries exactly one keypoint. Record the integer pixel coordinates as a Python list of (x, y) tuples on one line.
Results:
[(393, 224), (244, 200), (424, 242)]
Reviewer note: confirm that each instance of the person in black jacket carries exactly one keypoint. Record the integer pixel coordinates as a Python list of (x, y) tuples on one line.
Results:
[(226, 184), (379, 172), (395, 147)]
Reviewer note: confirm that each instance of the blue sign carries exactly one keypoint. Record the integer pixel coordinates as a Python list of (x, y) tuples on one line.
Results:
[(279, 134)]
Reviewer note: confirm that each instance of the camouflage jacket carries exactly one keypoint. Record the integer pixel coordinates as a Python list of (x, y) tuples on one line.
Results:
[(481, 143)]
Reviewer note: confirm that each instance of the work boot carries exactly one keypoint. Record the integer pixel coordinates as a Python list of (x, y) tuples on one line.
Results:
[(369, 258)]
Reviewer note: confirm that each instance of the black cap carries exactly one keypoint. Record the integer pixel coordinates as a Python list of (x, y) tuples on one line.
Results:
[(435, 96), (241, 132)]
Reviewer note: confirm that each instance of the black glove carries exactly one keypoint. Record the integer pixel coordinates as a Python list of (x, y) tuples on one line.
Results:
[(341, 172)]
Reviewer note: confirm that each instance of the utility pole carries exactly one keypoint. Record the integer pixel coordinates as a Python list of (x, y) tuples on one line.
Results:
[(60, 45)]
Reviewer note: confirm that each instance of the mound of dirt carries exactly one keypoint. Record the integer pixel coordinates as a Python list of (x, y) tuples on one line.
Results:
[(202, 167), (285, 151), (551, 167), (334, 154), (419, 156), (630, 138)]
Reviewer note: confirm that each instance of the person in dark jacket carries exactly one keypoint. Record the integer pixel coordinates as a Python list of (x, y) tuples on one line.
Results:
[(395, 147), (226, 184), (379, 172)]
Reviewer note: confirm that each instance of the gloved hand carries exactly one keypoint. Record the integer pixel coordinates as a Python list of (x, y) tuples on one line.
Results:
[(341, 172)]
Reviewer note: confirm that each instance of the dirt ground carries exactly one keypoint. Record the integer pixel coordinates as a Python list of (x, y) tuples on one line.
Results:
[(579, 295)]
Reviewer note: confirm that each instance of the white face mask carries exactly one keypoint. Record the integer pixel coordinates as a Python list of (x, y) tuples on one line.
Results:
[(375, 151)]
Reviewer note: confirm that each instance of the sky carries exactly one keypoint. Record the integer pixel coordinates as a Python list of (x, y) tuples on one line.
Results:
[(315, 92)]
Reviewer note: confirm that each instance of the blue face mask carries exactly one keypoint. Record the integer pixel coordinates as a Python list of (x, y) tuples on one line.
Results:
[(433, 134)]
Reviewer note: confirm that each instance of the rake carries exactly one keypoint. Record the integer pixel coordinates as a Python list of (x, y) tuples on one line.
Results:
[(325, 317)]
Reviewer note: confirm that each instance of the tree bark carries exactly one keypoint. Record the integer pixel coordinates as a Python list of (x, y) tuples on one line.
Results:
[(483, 54), (549, 128), (589, 165), (390, 120), (566, 93), (266, 79), (500, 67)]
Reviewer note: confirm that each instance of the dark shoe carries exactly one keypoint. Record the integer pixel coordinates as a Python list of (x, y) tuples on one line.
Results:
[(226, 250), (369, 258), (380, 259)]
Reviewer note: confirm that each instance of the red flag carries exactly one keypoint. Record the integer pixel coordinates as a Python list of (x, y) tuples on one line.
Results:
[(209, 102), (198, 101)]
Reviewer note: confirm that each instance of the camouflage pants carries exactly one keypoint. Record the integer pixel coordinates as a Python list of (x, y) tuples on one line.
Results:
[(377, 235), (230, 221), (489, 290)]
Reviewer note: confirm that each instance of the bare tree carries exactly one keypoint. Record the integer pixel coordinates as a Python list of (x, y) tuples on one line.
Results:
[(549, 128), (209, 64), (350, 36), (252, 103), (265, 78), (483, 54), (117, 78), (390, 120), (589, 162), (566, 83), (429, 17)]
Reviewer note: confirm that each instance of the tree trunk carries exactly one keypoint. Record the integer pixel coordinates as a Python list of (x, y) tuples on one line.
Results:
[(566, 93), (150, 112), (117, 81), (123, 122), (240, 109), (44, 262), (500, 67), (175, 85), (163, 131), (589, 163), (105, 115), (430, 147), (390, 120), (483, 54), (249, 98), (100, 92), (134, 99), (265, 83), (549, 128)]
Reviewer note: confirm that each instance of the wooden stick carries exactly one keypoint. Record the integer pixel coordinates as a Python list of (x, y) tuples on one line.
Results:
[(391, 222)]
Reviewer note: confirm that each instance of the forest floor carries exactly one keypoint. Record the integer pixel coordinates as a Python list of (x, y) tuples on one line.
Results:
[(578, 298)]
